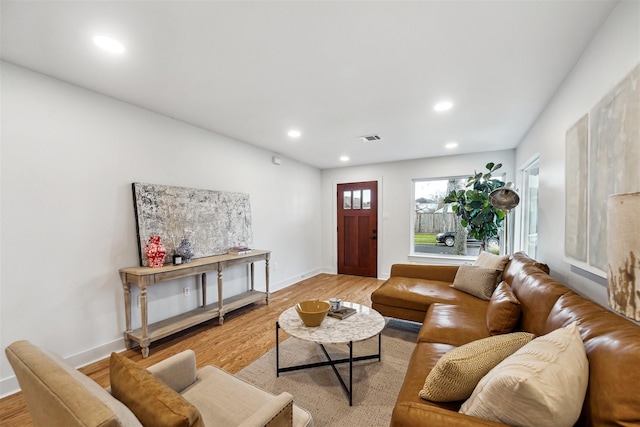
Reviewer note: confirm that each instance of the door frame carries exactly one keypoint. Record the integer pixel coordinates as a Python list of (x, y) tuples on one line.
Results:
[(334, 220)]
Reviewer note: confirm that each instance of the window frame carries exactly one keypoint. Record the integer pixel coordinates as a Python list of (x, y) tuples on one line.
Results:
[(527, 197)]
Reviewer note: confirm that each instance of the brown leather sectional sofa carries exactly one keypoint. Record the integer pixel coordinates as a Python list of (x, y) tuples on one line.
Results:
[(452, 318)]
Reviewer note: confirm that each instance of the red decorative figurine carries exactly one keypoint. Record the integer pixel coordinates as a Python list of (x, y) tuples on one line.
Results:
[(155, 252)]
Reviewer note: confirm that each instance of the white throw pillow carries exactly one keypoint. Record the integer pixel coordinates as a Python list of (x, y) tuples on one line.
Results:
[(542, 384)]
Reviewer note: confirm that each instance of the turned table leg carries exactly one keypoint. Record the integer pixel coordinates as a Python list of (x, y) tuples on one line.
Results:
[(220, 303), (204, 289), (127, 311), (145, 341)]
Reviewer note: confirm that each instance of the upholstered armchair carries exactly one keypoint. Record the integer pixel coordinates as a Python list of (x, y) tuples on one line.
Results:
[(171, 392)]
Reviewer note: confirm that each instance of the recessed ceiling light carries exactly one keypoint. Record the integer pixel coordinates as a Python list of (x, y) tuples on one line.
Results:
[(443, 106), (344, 158), (294, 133), (451, 145), (108, 44)]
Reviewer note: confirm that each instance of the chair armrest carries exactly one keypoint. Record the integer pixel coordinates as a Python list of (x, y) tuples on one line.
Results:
[(276, 413), (443, 273), (177, 371)]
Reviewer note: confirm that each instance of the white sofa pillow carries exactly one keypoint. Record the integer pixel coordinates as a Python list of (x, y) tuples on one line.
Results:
[(542, 384)]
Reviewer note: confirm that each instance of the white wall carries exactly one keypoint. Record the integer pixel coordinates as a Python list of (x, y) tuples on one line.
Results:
[(395, 205), (69, 157), (609, 58)]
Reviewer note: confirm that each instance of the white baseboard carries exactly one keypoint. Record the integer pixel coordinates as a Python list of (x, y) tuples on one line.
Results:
[(295, 279), (9, 386)]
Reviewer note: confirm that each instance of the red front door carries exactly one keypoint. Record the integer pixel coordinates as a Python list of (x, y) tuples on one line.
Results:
[(358, 229)]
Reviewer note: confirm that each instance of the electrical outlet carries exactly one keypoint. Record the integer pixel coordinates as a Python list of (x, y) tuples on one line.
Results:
[(186, 291)]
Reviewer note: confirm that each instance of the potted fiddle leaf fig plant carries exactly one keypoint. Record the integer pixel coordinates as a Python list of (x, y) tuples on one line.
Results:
[(481, 220)]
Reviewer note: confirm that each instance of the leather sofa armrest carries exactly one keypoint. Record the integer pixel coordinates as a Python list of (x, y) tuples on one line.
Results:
[(443, 273), (415, 414), (177, 371), (278, 412)]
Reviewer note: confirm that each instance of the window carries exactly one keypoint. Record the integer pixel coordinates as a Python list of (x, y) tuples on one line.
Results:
[(530, 180), (434, 227), (356, 199)]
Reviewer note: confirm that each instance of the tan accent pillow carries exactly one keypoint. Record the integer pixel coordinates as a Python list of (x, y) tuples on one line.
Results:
[(457, 373), (477, 281), (489, 260), (152, 401), (503, 311), (543, 384)]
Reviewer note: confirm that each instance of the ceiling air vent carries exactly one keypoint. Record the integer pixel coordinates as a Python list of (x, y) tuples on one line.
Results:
[(369, 138)]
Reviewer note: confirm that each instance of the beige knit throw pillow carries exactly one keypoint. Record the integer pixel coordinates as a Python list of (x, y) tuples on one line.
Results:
[(477, 281), (457, 373)]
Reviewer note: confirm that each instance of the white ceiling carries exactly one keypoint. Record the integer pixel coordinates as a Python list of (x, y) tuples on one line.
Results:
[(335, 70)]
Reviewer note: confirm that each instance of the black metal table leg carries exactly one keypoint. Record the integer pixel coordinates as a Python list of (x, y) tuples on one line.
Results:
[(277, 351), (330, 362), (351, 372)]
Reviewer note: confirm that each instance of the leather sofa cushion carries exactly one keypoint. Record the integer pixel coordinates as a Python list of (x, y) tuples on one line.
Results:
[(423, 359), (612, 344), (399, 312), (152, 401), (503, 311), (537, 293), (455, 324), (519, 260), (417, 294), (439, 273)]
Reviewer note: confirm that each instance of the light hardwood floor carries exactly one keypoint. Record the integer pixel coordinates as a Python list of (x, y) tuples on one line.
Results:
[(246, 335)]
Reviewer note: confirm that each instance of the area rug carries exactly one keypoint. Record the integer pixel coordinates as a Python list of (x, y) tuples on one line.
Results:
[(375, 384)]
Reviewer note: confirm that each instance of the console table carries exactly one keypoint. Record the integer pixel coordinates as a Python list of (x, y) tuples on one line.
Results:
[(146, 276)]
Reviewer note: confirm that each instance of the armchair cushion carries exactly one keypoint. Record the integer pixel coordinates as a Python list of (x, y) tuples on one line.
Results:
[(152, 401), (237, 401)]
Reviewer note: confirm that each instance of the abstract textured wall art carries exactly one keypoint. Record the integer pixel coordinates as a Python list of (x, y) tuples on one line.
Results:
[(213, 221), (601, 162)]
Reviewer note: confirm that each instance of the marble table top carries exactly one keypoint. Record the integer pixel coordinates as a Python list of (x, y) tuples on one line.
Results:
[(365, 324)]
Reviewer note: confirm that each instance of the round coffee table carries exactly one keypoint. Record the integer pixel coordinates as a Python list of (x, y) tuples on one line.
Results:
[(362, 325)]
